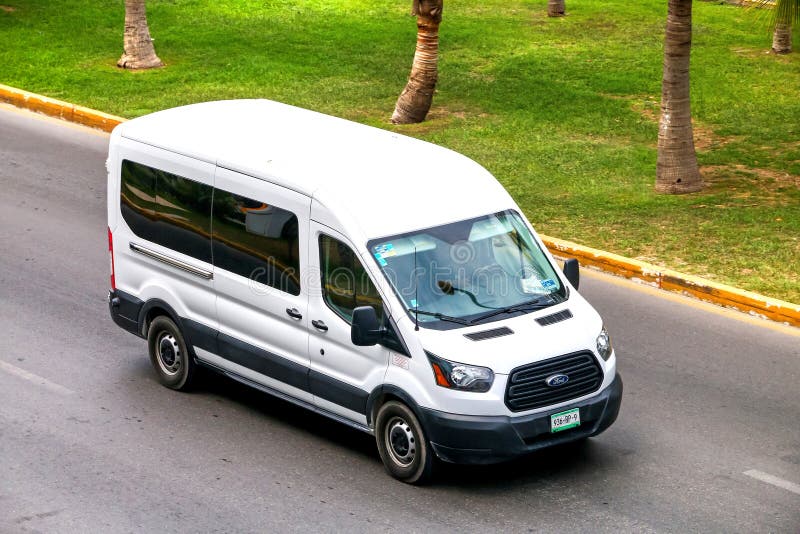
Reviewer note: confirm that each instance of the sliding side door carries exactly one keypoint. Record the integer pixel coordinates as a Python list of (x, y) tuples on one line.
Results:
[(258, 236)]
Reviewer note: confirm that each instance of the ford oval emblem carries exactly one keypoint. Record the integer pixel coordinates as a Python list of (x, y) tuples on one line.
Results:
[(556, 380)]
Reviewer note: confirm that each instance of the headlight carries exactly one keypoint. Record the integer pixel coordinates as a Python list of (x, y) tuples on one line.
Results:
[(454, 375), (604, 348)]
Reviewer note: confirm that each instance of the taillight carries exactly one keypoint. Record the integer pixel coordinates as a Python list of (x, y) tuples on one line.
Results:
[(111, 258)]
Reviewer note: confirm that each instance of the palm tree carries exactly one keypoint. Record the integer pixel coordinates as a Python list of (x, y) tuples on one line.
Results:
[(782, 38), (415, 100), (676, 169), (785, 13), (139, 51), (556, 8)]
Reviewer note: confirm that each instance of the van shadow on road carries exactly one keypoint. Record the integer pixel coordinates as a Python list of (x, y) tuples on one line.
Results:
[(549, 466)]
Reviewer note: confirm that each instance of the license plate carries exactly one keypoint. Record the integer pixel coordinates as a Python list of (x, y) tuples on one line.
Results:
[(564, 420)]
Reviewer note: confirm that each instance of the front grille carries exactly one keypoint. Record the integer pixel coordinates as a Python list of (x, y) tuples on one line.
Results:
[(527, 388), (489, 334), (563, 315)]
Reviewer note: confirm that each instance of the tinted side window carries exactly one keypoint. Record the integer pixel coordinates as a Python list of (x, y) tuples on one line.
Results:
[(138, 199), (183, 215), (345, 282), (167, 209), (256, 240)]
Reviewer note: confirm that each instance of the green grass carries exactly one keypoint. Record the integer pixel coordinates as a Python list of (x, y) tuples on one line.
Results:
[(562, 111)]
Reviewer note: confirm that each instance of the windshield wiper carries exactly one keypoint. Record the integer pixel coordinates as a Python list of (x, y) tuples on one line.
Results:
[(440, 316), (537, 303), (449, 289)]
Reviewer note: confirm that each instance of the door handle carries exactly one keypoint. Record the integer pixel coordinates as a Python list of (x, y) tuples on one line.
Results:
[(293, 313), (319, 325)]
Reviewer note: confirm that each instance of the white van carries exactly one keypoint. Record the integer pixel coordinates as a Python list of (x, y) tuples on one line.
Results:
[(382, 281)]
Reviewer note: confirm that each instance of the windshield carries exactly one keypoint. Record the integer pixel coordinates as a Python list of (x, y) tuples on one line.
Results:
[(469, 271)]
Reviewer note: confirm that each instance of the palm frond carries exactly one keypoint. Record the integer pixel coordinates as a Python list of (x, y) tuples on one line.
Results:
[(787, 11), (782, 11)]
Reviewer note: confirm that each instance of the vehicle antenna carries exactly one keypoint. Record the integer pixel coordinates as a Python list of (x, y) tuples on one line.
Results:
[(416, 292)]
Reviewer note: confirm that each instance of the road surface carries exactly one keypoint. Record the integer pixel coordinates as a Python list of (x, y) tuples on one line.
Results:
[(708, 438)]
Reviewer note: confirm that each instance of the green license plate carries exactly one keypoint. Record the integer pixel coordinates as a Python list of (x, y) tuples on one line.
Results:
[(564, 420)]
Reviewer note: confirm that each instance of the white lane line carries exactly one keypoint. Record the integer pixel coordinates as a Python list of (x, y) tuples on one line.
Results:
[(772, 479), (36, 379)]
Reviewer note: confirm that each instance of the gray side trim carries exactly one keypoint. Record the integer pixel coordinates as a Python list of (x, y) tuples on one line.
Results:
[(163, 258), (338, 392), (262, 361), (277, 367)]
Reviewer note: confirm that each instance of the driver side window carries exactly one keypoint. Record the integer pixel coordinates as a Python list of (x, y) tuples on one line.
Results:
[(345, 282)]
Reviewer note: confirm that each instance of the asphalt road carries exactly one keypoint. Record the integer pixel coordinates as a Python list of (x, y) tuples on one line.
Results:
[(89, 442)]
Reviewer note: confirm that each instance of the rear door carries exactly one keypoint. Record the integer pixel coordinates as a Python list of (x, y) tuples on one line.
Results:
[(162, 243), (258, 231)]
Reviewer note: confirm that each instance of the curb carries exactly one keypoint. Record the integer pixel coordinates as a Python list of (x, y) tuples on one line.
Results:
[(668, 280), (59, 108), (675, 282)]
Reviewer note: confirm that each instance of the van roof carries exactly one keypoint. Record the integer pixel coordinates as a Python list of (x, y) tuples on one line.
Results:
[(385, 182)]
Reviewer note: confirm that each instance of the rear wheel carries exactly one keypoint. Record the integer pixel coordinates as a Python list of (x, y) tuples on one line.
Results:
[(402, 444), (169, 355)]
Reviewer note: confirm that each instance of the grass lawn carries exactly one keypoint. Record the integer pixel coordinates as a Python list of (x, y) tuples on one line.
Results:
[(563, 111)]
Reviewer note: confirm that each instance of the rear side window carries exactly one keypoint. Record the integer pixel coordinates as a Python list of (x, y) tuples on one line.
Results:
[(167, 209), (345, 282), (256, 240), (138, 199)]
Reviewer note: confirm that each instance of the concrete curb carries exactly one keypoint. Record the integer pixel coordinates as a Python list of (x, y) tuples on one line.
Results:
[(59, 109), (668, 280), (730, 297)]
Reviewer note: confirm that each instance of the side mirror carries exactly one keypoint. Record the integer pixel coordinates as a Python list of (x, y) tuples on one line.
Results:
[(365, 330), (572, 272)]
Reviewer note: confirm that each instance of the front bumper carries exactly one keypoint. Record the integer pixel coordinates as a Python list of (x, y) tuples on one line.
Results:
[(468, 439)]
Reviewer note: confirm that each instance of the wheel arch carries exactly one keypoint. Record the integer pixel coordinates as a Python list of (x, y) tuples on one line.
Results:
[(152, 309), (385, 393)]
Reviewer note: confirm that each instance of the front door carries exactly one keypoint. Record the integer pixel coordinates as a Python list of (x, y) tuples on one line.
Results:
[(342, 375)]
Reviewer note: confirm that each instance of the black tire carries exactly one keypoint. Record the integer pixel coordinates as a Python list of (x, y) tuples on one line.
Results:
[(169, 355), (404, 449)]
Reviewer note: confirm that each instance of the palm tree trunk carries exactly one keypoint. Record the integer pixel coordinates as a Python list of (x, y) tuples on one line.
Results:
[(556, 8), (676, 170), (139, 51), (415, 100), (782, 38)]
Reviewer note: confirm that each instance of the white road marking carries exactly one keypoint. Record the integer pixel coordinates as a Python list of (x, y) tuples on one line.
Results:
[(775, 481), (36, 379)]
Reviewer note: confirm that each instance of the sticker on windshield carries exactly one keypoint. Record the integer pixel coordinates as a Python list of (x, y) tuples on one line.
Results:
[(531, 285), (547, 283), (380, 259), (387, 250), (413, 303)]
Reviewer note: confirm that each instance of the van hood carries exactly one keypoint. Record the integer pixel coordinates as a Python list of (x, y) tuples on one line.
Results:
[(528, 342)]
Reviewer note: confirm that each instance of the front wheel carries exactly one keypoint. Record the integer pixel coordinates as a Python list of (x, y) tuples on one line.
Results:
[(169, 355), (402, 444)]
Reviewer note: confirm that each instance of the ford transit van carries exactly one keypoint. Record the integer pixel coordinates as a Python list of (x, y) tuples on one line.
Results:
[(382, 281)]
